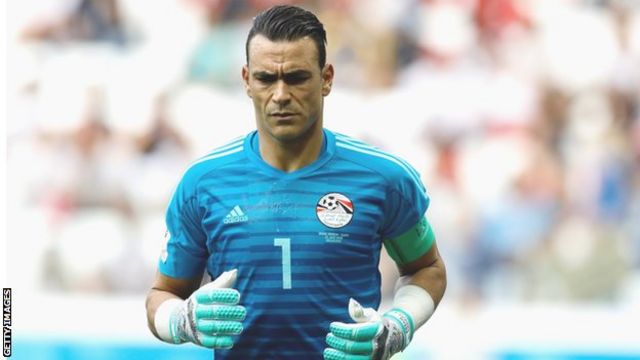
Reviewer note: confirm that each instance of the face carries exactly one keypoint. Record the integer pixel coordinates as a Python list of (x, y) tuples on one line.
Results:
[(287, 87)]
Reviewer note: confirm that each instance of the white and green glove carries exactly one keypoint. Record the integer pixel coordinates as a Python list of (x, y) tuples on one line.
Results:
[(379, 337), (373, 336), (210, 317)]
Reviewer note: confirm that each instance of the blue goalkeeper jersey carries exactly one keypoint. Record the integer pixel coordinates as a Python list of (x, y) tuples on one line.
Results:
[(303, 242)]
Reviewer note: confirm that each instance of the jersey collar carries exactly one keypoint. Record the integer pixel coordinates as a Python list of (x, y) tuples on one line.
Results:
[(251, 143)]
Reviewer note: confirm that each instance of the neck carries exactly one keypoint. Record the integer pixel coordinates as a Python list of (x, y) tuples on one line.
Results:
[(291, 155)]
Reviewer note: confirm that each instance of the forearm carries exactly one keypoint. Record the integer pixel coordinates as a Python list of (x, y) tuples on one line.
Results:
[(432, 279), (427, 270), (420, 288)]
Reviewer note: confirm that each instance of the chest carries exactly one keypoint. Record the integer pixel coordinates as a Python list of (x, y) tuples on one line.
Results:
[(320, 211)]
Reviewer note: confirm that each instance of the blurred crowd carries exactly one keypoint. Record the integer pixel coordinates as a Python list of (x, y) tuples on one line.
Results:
[(523, 117)]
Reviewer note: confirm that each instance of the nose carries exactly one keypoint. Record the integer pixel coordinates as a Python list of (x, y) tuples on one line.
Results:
[(281, 94)]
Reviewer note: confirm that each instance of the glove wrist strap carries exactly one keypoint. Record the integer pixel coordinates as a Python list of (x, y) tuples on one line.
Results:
[(401, 330), (402, 319)]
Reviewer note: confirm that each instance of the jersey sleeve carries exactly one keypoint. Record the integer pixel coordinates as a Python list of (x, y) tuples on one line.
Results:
[(406, 202), (186, 252)]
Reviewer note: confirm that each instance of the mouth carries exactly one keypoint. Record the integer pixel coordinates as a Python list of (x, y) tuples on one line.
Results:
[(282, 115)]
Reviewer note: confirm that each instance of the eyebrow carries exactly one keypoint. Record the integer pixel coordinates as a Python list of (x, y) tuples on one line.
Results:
[(294, 73)]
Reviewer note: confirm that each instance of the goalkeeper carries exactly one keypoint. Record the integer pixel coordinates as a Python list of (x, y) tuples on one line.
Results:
[(289, 222)]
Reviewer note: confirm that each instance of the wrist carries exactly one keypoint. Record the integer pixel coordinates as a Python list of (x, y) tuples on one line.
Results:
[(165, 320), (415, 304)]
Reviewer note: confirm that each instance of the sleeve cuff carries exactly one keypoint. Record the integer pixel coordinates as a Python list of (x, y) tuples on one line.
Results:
[(177, 263)]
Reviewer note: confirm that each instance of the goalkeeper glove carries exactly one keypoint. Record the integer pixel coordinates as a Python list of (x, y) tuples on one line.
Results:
[(209, 317), (379, 337), (372, 337)]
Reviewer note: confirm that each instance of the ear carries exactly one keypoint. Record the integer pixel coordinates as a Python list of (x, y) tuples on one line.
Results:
[(245, 79), (327, 79)]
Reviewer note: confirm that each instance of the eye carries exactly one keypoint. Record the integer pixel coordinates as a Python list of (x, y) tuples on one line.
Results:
[(296, 78), (266, 78)]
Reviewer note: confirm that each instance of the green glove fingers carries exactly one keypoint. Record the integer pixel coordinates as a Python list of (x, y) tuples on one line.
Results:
[(219, 296), (333, 354), (217, 317), (372, 336), (210, 317), (357, 332), (216, 327), (220, 312), (216, 342), (351, 341), (350, 347)]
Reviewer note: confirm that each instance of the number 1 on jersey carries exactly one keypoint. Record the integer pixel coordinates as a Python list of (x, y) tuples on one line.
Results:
[(286, 260)]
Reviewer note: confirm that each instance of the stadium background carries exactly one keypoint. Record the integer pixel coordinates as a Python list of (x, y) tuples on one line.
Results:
[(522, 116)]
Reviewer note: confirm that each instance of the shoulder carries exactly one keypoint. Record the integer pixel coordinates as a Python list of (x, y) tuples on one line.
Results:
[(229, 153), (392, 168)]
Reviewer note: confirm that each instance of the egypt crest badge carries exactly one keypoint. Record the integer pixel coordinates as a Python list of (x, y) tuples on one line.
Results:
[(334, 210)]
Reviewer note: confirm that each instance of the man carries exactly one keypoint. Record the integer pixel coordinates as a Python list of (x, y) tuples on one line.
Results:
[(290, 220)]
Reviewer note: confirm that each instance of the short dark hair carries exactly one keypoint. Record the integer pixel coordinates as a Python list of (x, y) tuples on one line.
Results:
[(286, 22)]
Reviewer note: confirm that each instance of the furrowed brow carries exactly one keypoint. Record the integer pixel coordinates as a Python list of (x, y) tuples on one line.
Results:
[(290, 74), (298, 73)]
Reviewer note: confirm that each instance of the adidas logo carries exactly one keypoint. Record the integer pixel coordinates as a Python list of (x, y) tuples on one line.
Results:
[(236, 215)]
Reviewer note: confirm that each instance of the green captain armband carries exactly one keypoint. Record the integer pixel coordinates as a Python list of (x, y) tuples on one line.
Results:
[(412, 244)]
